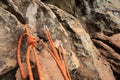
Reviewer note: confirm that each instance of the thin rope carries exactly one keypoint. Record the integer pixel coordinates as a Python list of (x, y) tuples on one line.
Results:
[(55, 56), (31, 41), (31, 46)]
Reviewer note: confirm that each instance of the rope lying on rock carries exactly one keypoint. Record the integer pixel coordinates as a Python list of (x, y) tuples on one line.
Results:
[(59, 58), (31, 45)]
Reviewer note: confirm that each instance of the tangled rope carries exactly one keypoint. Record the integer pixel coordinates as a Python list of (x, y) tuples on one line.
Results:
[(31, 41)]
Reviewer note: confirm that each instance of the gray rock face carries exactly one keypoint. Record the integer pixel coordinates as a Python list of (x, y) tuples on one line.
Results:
[(97, 15), (103, 15), (10, 30), (83, 59)]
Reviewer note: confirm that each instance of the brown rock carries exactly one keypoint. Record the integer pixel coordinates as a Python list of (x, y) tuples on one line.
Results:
[(10, 30), (115, 39), (109, 50), (82, 56)]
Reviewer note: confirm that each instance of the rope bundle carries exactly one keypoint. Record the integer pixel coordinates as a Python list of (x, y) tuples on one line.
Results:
[(31, 41)]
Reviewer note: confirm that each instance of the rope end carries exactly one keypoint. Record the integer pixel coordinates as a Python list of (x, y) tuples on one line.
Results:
[(45, 27)]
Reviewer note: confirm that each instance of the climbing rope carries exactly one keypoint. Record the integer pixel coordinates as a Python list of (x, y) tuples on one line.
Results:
[(31, 45), (59, 58), (55, 56)]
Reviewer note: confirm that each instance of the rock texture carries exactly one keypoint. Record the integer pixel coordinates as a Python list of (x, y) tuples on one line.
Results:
[(101, 16), (83, 59), (98, 15), (10, 30), (109, 48)]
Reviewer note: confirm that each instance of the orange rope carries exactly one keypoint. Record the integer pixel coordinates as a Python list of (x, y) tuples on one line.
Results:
[(51, 43), (31, 45), (18, 57), (28, 63), (65, 62), (60, 66), (37, 64), (55, 55)]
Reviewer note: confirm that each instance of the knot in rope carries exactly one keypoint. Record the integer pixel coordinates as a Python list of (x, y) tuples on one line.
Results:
[(31, 46), (58, 57), (31, 40)]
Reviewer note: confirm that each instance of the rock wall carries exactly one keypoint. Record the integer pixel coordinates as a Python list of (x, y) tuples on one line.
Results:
[(98, 15), (70, 28)]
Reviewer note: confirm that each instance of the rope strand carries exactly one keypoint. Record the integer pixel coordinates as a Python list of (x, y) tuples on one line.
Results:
[(28, 63), (37, 64), (31, 45), (19, 57), (65, 62), (31, 41), (57, 58)]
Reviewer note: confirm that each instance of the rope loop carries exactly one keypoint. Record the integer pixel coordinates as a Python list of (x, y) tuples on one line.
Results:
[(31, 46), (31, 41)]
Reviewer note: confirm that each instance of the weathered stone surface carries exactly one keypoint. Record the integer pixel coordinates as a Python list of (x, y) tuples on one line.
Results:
[(109, 48), (115, 39), (10, 30), (97, 15), (88, 53), (83, 59)]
